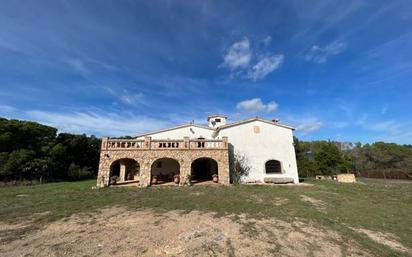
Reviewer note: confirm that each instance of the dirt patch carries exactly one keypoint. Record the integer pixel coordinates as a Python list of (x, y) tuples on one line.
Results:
[(318, 204), (386, 239), (121, 232)]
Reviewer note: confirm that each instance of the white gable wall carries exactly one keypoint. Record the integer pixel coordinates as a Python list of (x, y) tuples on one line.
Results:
[(271, 143), (180, 133)]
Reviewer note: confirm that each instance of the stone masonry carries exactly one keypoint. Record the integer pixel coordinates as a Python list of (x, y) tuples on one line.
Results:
[(148, 151)]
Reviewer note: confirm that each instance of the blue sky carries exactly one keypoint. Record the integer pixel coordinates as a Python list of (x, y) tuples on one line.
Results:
[(338, 70)]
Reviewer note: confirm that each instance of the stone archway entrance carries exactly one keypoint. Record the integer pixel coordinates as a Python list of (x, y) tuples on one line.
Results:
[(164, 171), (203, 169), (146, 152), (124, 170)]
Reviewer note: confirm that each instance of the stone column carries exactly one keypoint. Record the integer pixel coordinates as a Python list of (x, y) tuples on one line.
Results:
[(145, 173), (185, 171), (224, 142), (224, 171), (104, 165), (122, 177), (186, 142), (147, 142)]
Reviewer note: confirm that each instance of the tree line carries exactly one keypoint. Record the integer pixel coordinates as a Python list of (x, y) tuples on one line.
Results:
[(30, 151), (377, 160)]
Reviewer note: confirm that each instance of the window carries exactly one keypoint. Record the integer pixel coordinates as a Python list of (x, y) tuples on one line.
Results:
[(218, 120), (273, 167)]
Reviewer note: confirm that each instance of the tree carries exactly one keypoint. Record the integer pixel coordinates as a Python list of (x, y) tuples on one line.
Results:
[(29, 150), (329, 159)]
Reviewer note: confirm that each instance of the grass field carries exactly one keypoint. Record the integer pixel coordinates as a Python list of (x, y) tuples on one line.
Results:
[(344, 208)]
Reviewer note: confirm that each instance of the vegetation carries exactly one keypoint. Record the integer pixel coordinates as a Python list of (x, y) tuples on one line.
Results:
[(377, 160), (31, 151), (374, 206), (239, 168)]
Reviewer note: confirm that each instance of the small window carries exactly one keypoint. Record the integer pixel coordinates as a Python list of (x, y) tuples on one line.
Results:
[(273, 167), (218, 120)]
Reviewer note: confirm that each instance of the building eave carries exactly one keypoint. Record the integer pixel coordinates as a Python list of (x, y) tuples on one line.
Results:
[(190, 124), (236, 123)]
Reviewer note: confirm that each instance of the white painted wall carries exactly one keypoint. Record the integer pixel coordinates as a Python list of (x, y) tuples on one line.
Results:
[(271, 143), (179, 133)]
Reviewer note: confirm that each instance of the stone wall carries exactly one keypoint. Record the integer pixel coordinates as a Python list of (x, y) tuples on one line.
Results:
[(346, 178), (146, 157)]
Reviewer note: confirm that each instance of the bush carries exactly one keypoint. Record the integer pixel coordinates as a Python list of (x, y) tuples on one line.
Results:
[(239, 168)]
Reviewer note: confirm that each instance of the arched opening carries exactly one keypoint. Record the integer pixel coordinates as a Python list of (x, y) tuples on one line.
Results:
[(165, 171), (124, 171), (203, 169), (273, 167)]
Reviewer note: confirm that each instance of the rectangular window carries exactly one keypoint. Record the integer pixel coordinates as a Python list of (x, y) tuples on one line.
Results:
[(218, 120)]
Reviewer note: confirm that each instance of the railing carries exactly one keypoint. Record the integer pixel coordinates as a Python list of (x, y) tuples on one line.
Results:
[(148, 143), (124, 144)]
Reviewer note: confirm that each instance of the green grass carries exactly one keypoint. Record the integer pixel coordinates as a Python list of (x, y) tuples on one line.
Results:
[(375, 206)]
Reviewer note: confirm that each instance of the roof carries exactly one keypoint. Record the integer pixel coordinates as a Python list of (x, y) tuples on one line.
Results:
[(251, 120), (173, 128), (232, 124)]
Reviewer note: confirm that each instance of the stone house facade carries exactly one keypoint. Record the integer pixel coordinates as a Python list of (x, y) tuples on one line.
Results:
[(192, 153)]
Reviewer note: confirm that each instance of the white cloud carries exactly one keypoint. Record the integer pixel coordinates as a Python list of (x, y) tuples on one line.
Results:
[(77, 65), (132, 99), (238, 55), (126, 97), (256, 105), (238, 59), (106, 124), (267, 40), (265, 66), (388, 130), (318, 54), (310, 125)]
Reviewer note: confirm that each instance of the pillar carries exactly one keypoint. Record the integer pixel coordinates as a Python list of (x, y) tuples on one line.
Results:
[(122, 176), (103, 174), (185, 172), (145, 172), (147, 142), (224, 170)]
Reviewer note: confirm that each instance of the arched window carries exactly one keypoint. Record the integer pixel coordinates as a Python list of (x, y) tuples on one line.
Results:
[(273, 167)]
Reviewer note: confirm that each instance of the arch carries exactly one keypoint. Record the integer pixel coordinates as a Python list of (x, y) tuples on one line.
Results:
[(273, 167), (203, 169), (165, 170), (124, 170)]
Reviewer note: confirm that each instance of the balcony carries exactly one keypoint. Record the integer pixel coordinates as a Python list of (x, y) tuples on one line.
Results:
[(160, 144)]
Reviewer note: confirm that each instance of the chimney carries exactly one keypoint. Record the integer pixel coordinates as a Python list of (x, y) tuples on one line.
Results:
[(216, 121)]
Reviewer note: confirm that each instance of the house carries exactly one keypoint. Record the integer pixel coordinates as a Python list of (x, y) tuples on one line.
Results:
[(192, 153)]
